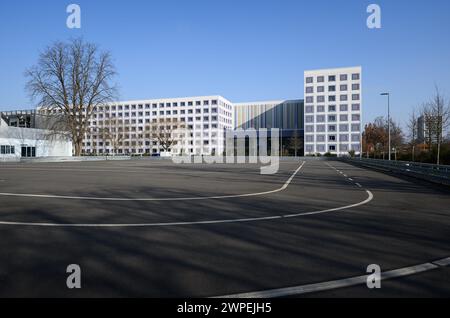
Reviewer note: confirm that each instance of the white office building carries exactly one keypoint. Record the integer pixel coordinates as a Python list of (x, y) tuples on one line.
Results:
[(327, 120), (131, 124), (333, 106), (23, 142)]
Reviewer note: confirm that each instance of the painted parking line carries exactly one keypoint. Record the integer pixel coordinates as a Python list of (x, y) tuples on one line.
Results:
[(162, 224), (54, 196), (340, 283)]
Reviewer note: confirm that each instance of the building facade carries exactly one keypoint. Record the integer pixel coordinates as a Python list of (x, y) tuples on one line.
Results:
[(24, 142), (333, 108), (139, 127), (327, 120), (286, 115)]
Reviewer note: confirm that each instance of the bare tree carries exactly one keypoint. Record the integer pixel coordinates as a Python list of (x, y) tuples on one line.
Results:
[(162, 131), (440, 111), (413, 131), (112, 132), (72, 78)]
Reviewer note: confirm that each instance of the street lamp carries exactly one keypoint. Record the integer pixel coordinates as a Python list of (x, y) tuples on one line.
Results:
[(389, 123)]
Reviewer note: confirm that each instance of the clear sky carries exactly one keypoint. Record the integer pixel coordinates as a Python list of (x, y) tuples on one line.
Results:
[(245, 50)]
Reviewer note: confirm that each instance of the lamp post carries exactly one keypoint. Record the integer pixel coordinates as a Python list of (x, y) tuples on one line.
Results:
[(389, 123)]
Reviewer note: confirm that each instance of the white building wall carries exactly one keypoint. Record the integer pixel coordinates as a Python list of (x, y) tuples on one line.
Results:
[(44, 142), (206, 116), (333, 108)]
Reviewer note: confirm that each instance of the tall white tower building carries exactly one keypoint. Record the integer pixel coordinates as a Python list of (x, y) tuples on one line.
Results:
[(333, 106)]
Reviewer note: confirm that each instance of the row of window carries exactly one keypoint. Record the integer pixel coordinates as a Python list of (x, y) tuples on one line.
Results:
[(332, 78), (146, 151), (331, 138), (331, 98), (331, 108), (7, 150), (148, 106), (331, 118), (146, 143), (332, 88), (332, 128), (332, 148)]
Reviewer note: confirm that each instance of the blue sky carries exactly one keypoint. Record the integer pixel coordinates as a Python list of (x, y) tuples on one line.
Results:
[(245, 50)]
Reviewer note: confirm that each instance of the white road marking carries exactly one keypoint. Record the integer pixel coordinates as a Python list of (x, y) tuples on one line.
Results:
[(359, 185), (443, 262), (368, 199), (53, 196), (350, 179), (346, 282)]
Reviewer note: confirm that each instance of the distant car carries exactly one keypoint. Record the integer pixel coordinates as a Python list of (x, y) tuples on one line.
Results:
[(156, 155)]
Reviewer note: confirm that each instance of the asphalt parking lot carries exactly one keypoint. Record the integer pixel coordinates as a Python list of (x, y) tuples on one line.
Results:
[(158, 229)]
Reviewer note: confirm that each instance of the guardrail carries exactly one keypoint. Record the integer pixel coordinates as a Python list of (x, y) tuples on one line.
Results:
[(425, 171)]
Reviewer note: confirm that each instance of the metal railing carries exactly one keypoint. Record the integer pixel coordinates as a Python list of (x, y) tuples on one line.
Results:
[(430, 172)]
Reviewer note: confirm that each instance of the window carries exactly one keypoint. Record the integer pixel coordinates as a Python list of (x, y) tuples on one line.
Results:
[(332, 108), (320, 118), (343, 127), (309, 138), (309, 90), (309, 80), (331, 78), (355, 97), (320, 138), (355, 117), (331, 118), (309, 119), (309, 99), (320, 99), (309, 128), (320, 128), (332, 128), (332, 138), (343, 98), (355, 137), (320, 89), (343, 88), (320, 79), (355, 127), (332, 98), (332, 88), (332, 148), (343, 108), (7, 150), (343, 117), (343, 77), (309, 109), (343, 137), (320, 109), (355, 106), (355, 76), (355, 87)]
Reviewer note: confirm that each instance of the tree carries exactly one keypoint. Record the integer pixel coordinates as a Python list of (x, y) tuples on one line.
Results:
[(440, 112), (376, 136), (72, 78), (112, 132), (412, 130), (163, 132)]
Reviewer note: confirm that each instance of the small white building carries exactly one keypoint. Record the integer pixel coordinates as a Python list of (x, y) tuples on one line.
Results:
[(17, 142)]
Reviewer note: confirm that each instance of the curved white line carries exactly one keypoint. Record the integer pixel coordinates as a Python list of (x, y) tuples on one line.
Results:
[(369, 198), (53, 196)]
